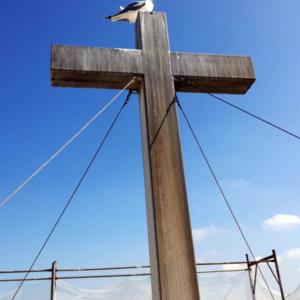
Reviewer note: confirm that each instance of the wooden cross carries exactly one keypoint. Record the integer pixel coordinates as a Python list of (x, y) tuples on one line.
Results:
[(160, 73)]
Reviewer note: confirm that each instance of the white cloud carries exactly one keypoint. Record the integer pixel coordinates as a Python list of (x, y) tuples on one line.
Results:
[(205, 256), (236, 183), (293, 253), (279, 259), (200, 234), (234, 267), (282, 222)]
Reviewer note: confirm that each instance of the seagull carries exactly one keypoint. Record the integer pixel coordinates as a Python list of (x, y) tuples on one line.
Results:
[(130, 12)]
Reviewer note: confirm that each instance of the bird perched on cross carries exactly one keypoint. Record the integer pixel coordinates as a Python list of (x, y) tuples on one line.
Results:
[(130, 12)]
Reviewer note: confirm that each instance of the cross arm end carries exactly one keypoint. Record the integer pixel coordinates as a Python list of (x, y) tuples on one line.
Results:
[(212, 73)]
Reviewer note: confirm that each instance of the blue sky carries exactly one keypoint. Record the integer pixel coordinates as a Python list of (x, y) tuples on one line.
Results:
[(106, 224)]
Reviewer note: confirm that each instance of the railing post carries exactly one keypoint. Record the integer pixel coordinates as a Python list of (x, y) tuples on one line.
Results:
[(250, 278), (278, 275), (53, 281)]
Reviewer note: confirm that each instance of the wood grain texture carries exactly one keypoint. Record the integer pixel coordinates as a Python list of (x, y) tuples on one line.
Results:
[(94, 67), (212, 73), (171, 246), (114, 68), (160, 73)]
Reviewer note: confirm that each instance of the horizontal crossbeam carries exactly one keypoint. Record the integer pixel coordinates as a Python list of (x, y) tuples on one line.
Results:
[(87, 67), (203, 73)]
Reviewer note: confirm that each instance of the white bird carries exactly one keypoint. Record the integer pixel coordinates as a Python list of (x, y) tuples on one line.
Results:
[(130, 12)]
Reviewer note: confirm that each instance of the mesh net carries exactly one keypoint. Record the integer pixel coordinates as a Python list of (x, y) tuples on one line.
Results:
[(221, 286), (263, 294), (30, 291), (127, 289), (225, 286)]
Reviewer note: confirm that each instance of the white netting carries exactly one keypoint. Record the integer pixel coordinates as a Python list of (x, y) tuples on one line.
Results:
[(225, 286), (263, 293), (127, 289), (221, 286), (230, 286), (30, 291)]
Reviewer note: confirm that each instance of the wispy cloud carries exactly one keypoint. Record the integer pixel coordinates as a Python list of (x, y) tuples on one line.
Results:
[(236, 183), (234, 267), (200, 234), (282, 222), (293, 253)]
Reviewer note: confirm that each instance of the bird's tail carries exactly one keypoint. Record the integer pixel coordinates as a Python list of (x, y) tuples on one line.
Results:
[(117, 17)]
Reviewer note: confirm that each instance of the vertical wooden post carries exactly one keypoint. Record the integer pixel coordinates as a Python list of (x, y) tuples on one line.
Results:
[(172, 259), (278, 275), (250, 278), (53, 281)]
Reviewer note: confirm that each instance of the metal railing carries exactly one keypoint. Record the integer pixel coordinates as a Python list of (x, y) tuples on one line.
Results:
[(54, 273)]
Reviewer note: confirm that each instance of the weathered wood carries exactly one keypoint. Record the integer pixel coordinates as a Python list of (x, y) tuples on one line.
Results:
[(202, 73), (173, 265), (151, 224), (113, 68), (173, 273), (94, 67)]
